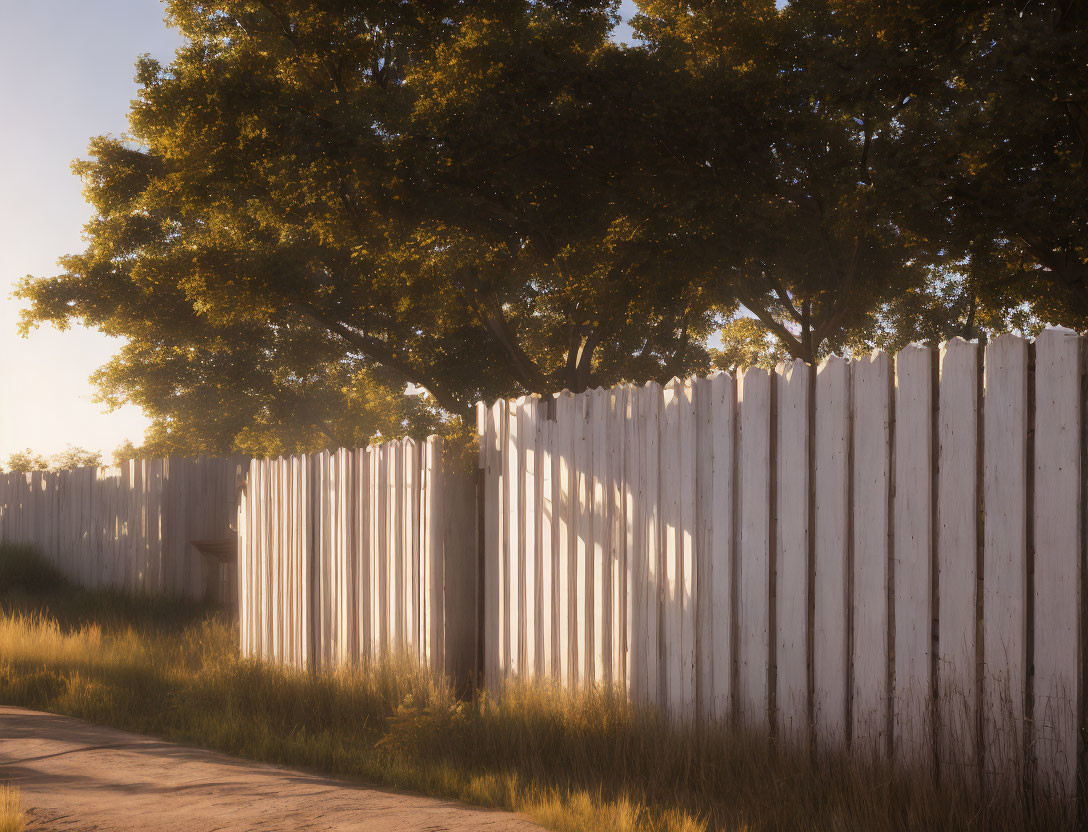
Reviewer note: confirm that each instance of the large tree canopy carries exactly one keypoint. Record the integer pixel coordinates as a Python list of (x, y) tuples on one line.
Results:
[(1005, 142), (417, 192), (321, 201)]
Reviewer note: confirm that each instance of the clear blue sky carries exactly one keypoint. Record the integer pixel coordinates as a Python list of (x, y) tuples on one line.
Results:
[(66, 69)]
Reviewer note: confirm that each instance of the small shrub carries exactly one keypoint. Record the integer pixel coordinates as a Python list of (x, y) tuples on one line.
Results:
[(35, 688), (23, 569), (12, 816)]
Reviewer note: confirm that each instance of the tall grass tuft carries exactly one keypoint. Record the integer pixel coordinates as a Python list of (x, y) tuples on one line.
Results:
[(586, 761), (12, 816)]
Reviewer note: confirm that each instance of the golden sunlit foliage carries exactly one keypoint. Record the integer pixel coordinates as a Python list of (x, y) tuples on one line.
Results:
[(319, 204)]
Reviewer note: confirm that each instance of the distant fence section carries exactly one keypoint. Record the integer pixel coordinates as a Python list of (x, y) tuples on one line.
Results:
[(137, 527), (358, 554), (885, 553)]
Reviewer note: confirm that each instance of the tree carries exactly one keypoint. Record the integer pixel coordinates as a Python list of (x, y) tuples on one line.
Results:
[(24, 461), (812, 240), (321, 204), (125, 451), (1003, 144), (72, 456), (917, 170), (316, 199), (746, 343), (242, 394)]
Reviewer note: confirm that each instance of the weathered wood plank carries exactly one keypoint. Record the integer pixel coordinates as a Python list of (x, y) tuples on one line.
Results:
[(529, 442), (583, 602), (754, 552), (793, 483), (914, 556), (688, 577), (1057, 582), (957, 557), (410, 520), (672, 548), (548, 522), (515, 535), (494, 551), (872, 485), (617, 539), (633, 532), (1006, 552), (832, 532), (717, 584), (704, 531), (648, 667), (600, 633), (567, 536)]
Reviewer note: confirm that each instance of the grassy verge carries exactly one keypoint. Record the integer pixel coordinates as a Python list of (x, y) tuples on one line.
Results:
[(572, 763), (12, 817)]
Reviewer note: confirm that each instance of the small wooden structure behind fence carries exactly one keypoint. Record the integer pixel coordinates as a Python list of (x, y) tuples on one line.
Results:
[(357, 554), (129, 527), (809, 550)]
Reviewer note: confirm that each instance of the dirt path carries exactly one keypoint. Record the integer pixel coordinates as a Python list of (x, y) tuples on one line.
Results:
[(78, 776)]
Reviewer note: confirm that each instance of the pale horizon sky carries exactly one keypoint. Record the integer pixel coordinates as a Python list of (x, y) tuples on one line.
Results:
[(66, 70), (66, 75)]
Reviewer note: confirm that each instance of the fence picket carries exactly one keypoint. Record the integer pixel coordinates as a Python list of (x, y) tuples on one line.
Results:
[(913, 573), (1057, 547), (957, 555), (672, 548), (792, 481), (566, 426), (546, 551), (1006, 551), (754, 552), (872, 486), (651, 557), (617, 540), (832, 520), (528, 602), (599, 629)]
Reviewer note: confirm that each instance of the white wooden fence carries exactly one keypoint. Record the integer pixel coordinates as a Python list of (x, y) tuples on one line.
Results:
[(358, 554), (808, 550), (129, 527), (886, 554)]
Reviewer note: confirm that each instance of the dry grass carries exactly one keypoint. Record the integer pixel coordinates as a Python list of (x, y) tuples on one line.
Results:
[(12, 816), (589, 762)]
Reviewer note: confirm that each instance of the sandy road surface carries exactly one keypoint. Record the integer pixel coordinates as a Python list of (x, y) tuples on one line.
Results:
[(77, 776)]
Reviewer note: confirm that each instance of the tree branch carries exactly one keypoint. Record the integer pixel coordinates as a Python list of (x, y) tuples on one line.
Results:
[(382, 353), (524, 366), (491, 314), (583, 371), (788, 339)]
